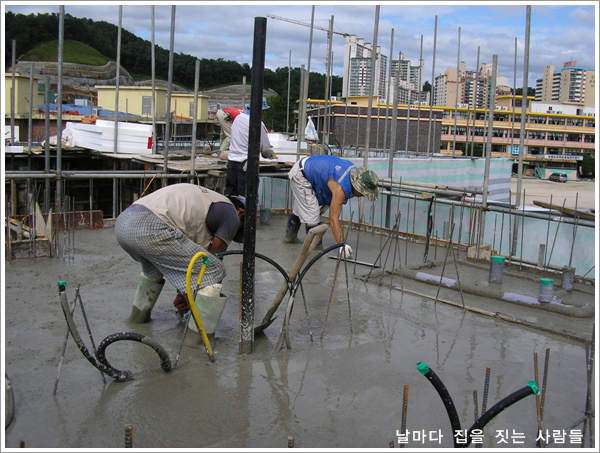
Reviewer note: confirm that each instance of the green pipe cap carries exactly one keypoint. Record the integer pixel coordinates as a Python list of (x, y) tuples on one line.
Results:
[(61, 285), (534, 387), (498, 259), (423, 368), (546, 281)]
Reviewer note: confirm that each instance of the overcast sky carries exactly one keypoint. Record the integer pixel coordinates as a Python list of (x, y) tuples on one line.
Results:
[(560, 31)]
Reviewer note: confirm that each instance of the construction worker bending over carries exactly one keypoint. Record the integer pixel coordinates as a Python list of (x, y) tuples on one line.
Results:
[(164, 230), (237, 157), (326, 182)]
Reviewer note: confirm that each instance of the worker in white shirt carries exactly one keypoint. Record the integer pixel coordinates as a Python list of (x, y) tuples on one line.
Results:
[(235, 180)]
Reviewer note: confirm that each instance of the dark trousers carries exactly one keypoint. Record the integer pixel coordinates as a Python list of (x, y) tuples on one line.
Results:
[(235, 179)]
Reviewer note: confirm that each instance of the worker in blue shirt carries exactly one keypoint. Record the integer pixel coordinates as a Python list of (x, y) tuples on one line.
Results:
[(321, 183)]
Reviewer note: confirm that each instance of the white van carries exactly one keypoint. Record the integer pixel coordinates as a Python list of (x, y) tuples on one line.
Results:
[(558, 177)]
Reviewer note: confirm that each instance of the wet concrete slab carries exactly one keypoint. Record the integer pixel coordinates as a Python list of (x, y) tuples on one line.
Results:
[(343, 388)]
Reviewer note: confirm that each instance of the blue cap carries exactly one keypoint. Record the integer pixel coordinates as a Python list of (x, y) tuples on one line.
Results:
[(265, 106)]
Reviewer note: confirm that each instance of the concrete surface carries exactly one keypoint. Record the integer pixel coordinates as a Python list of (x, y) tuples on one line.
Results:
[(343, 389), (573, 193)]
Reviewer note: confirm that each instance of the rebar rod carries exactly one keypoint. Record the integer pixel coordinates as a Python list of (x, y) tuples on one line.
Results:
[(64, 348), (87, 325), (449, 245), (574, 229), (540, 442), (547, 231), (522, 229), (462, 299), (404, 410), (475, 406), (556, 233), (544, 382)]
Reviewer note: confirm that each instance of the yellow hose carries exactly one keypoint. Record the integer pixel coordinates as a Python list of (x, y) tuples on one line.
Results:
[(188, 284)]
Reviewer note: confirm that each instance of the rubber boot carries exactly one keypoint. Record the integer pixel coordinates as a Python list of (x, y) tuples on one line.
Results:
[(291, 229), (146, 295), (319, 246), (210, 304)]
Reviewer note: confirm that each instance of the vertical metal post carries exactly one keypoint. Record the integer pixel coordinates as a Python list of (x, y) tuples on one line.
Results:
[(13, 92), (512, 131), (388, 208), (46, 142), (169, 89), (59, 89), (419, 90), (287, 115), (30, 119), (524, 104), (431, 97), (361, 205), (475, 101), (247, 303), (457, 88), (194, 122), (387, 96), (153, 70), (488, 150), (301, 113), (116, 128), (328, 69)]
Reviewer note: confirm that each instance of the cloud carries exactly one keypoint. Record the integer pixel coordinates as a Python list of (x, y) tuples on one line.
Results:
[(225, 30)]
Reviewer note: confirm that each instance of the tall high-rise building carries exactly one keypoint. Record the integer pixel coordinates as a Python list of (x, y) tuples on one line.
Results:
[(572, 84), (357, 68), (468, 88), (408, 83)]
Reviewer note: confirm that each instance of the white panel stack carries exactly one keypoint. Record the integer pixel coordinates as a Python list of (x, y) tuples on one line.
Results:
[(132, 138)]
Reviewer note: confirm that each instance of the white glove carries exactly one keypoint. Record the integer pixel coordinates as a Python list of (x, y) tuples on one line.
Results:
[(345, 252)]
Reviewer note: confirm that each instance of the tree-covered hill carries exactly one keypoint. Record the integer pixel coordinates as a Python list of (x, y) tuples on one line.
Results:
[(32, 31)]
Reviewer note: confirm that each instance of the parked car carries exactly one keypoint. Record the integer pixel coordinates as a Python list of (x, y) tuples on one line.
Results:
[(558, 177)]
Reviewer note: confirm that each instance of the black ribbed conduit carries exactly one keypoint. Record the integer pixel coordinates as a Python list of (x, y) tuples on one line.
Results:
[(446, 398), (102, 364), (263, 257), (530, 389)]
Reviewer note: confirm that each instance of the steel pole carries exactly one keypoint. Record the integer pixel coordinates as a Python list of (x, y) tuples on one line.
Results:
[(524, 104), (256, 93)]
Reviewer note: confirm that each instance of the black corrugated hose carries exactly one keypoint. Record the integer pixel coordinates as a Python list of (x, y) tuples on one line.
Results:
[(102, 364), (459, 442)]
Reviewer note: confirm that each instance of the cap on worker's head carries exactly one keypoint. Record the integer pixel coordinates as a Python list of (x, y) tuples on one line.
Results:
[(239, 202), (365, 182), (265, 106)]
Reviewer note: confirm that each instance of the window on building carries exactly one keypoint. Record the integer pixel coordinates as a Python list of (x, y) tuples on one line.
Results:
[(536, 135), (590, 123), (575, 122), (535, 150), (556, 121), (478, 131), (573, 137), (557, 136), (517, 119), (500, 117), (444, 130), (446, 114), (589, 138), (461, 130), (556, 151), (146, 105), (516, 133), (537, 119)]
